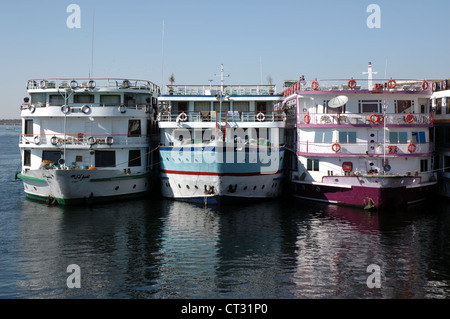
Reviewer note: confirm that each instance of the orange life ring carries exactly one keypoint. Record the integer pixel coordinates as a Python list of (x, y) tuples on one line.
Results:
[(336, 147), (409, 118), (373, 118), (412, 148), (351, 84), (391, 84), (307, 118), (315, 85), (424, 85)]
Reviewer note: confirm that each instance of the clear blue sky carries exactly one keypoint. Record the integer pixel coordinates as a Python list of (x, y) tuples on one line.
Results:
[(323, 39)]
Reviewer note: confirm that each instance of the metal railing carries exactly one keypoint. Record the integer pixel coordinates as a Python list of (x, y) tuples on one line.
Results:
[(366, 118), (231, 90), (82, 139), (226, 116), (85, 107)]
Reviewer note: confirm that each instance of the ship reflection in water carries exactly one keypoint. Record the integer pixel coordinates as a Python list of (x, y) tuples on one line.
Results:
[(282, 249)]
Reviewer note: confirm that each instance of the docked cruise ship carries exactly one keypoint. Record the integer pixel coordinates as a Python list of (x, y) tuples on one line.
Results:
[(221, 143), (88, 140), (360, 142), (440, 101)]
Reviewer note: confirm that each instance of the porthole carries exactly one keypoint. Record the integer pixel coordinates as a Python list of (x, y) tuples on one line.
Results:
[(196, 187), (134, 186), (254, 187), (245, 188), (187, 186), (117, 187), (262, 187), (179, 186)]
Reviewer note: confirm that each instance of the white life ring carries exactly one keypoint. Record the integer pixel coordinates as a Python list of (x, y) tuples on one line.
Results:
[(73, 84), (92, 140), (85, 109), (91, 84), (261, 117), (43, 84), (109, 140), (54, 140), (182, 117), (31, 108), (122, 108), (65, 109), (37, 140)]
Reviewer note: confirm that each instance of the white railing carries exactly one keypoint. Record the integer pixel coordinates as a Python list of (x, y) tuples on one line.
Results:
[(82, 140), (366, 118), (231, 90), (227, 116)]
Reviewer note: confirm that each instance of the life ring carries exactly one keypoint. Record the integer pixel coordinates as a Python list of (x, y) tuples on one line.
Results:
[(122, 109), (412, 148), (380, 119), (260, 117), (373, 118), (73, 84), (424, 85), (54, 140), (31, 108), (307, 118), (182, 117), (92, 84), (65, 109), (85, 109), (92, 140), (336, 147), (444, 85), (391, 84), (109, 140), (37, 140), (43, 84), (409, 118), (351, 84), (434, 87), (315, 85)]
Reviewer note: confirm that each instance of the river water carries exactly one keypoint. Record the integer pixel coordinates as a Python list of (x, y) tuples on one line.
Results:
[(161, 249)]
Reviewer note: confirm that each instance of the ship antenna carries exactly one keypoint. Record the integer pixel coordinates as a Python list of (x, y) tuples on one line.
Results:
[(91, 72), (162, 57)]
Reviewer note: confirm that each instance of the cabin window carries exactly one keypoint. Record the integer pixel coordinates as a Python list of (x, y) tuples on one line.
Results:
[(241, 106), (424, 165), (56, 100), (202, 106), (52, 156), (134, 128), (447, 110), (110, 100), (418, 137), (225, 106), (312, 165), (28, 127), (369, 106), (26, 158), (398, 137), (105, 159), (323, 136), (447, 164), (83, 99), (438, 106), (134, 158), (347, 137), (330, 110), (37, 98), (404, 106)]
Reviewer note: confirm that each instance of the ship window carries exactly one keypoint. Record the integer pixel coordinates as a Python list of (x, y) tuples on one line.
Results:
[(56, 100), (241, 106), (225, 106), (369, 106), (418, 137), (110, 100), (28, 127), (83, 98), (134, 128), (398, 137), (424, 165), (438, 106), (134, 158), (347, 137), (26, 158), (312, 165), (201, 106), (447, 164), (52, 156), (323, 136), (404, 106), (105, 159)]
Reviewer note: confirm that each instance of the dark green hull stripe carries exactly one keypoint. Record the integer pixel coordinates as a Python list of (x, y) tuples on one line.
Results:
[(28, 178)]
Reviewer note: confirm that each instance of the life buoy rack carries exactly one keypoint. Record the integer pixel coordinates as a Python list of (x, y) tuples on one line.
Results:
[(261, 117), (110, 140), (43, 84), (31, 108), (37, 140), (351, 84), (336, 147), (412, 148), (425, 85), (85, 109), (54, 140), (65, 109), (73, 84), (307, 118), (92, 84), (391, 84), (182, 117), (122, 109), (409, 118), (315, 85), (92, 140)]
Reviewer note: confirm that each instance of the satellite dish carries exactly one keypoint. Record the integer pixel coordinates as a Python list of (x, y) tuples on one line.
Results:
[(338, 101)]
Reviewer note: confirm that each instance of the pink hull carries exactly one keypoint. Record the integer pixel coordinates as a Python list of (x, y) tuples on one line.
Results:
[(380, 197)]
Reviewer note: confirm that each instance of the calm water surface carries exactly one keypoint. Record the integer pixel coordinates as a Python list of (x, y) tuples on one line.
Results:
[(160, 249)]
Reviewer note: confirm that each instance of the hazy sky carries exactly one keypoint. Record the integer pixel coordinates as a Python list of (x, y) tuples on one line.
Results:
[(286, 39)]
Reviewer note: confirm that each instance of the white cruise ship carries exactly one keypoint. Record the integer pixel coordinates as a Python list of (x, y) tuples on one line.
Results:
[(88, 140)]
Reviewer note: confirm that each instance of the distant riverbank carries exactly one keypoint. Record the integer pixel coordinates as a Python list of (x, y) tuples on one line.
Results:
[(11, 122)]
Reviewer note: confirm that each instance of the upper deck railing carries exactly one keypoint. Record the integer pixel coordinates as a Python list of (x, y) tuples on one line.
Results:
[(91, 84), (360, 85), (212, 90), (225, 116)]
